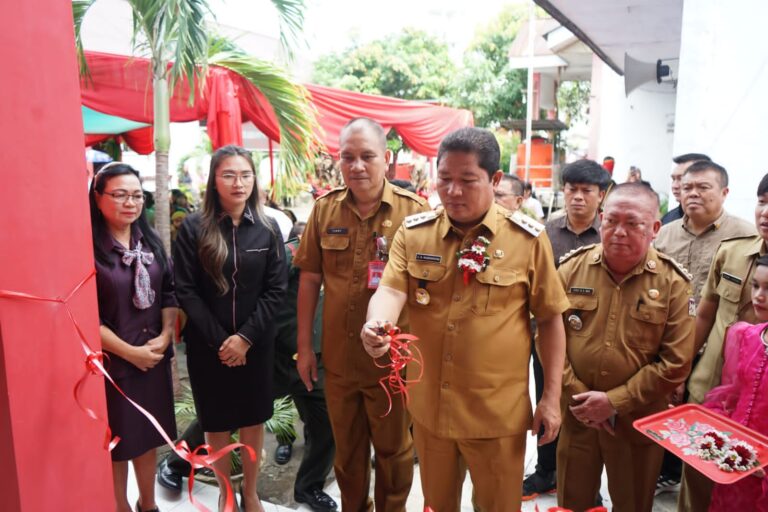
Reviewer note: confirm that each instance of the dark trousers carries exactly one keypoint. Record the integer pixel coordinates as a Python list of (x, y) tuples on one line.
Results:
[(547, 454), (194, 437)]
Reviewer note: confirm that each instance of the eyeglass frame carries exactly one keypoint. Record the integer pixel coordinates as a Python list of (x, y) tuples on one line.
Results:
[(231, 177), (114, 195)]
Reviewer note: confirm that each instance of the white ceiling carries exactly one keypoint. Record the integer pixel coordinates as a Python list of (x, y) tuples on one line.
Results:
[(646, 29)]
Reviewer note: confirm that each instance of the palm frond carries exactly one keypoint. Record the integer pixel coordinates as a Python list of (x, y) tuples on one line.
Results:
[(291, 14), (290, 102), (79, 9), (283, 417)]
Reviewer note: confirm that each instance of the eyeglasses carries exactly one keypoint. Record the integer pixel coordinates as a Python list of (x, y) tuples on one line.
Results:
[(121, 196), (231, 177)]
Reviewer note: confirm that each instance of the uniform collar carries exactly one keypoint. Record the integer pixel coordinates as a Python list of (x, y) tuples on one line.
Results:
[(387, 195), (248, 215), (563, 223), (714, 226), (490, 221), (650, 263)]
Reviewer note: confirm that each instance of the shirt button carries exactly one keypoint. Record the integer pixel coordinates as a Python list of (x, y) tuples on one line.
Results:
[(457, 298), (448, 357), (355, 279), (358, 251), (445, 385), (607, 344), (603, 373), (646, 316), (451, 326), (351, 307), (496, 279), (612, 316), (425, 273), (143, 330), (351, 335)]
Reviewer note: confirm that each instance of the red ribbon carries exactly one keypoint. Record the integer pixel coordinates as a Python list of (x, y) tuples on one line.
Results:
[(94, 365), (400, 354)]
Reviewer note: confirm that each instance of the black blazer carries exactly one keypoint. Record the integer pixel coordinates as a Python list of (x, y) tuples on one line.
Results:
[(255, 270)]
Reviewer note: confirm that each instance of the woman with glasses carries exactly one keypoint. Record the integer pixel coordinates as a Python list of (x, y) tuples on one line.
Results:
[(137, 313), (230, 278)]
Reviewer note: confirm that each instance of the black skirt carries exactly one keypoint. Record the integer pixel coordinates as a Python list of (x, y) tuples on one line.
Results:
[(153, 390), (227, 398)]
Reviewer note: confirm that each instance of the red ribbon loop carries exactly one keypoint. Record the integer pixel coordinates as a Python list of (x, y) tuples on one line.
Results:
[(401, 353)]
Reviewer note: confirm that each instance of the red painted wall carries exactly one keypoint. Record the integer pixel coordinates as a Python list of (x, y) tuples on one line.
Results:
[(51, 454)]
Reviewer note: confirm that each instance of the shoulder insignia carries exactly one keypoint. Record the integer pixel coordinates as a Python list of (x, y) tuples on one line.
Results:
[(677, 266), (528, 224), (570, 254), (417, 219)]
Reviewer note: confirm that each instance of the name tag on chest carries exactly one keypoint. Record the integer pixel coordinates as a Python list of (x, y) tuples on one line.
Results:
[(731, 278), (337, 231), (434, 258)]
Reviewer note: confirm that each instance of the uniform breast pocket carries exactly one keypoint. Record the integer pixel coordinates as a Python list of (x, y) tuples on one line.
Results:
[(495, 289), (336, 251), (253, 262), (730, 293), (580, 320), (423, 283), (646, 326)]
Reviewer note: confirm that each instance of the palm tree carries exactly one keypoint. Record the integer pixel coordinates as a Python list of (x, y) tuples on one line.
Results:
[(174, 31)]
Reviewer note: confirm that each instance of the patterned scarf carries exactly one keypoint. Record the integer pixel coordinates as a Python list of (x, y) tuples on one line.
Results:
[(144, 295)]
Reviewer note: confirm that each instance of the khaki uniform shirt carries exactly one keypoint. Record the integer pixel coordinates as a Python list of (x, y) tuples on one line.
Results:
[(728, 284), (474, 339), (695, 252), (338, 244), (634, 340)]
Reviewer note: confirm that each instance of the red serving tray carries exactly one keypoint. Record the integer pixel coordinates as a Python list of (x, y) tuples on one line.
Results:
[(656, 427)]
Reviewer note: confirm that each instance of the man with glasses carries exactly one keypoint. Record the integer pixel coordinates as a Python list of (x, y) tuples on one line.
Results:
[(584, 184), (344, 247), (629, 335)]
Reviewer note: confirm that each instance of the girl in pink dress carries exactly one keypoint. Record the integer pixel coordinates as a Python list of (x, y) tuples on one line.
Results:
[(743, 395)]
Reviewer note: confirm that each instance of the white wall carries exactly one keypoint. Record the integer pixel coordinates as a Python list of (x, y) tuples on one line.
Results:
[(636, 130), (722, 100)]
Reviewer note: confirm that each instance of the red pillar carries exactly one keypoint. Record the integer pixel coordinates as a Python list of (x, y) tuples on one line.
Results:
[(51, 453)]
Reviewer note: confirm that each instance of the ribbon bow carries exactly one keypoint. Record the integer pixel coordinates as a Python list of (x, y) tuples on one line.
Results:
[(400, 354), (144, 295)]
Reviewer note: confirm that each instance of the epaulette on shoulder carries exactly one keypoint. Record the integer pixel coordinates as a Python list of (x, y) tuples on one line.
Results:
[(677, 266), (418, 219), (528, 224), (331, 193), (739, 237), (570, 254), (407, 193)]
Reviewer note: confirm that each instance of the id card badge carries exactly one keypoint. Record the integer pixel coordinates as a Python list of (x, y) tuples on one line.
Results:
[(375, 271)]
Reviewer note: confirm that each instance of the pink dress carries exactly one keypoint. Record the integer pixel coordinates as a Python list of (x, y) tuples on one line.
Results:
[(742, 396)]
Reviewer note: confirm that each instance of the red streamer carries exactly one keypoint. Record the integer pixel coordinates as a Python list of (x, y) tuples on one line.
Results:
[(401, 352), (94, 365)]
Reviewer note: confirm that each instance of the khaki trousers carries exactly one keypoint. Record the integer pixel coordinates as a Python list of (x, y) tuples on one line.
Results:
[(356, 418), (495, 467), (695, 491), (632, 469)]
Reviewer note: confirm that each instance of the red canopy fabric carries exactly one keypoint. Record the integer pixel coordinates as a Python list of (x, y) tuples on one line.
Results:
[(421, 125), (122, 86)]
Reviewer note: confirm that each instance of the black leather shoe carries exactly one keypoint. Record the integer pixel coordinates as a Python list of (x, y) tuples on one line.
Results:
[(283, 453), (539, 482), (317, 500), (167, 478)]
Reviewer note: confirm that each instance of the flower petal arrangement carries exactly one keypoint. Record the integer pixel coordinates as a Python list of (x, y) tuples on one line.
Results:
[(474, 258)]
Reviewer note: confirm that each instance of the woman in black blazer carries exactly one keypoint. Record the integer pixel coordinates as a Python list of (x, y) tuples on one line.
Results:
[(230, 279)]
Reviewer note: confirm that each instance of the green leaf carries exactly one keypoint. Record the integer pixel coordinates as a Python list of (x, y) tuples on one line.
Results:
[(79, 9)]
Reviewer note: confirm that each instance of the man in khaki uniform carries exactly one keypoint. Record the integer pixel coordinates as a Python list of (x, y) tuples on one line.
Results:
[(725, 299), (692, 242), (471, 408), (629, 335), (348, 232)]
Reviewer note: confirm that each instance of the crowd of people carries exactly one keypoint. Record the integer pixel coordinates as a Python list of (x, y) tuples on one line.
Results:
[(623, 317)]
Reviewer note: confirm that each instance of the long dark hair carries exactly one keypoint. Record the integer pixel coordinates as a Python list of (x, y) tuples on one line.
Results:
[(99, 226), (212, 249)]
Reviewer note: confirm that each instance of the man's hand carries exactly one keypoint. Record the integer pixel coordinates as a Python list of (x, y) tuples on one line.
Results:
[(232, 351), (375, 337), (593, 409), (676, 398), (547, 415), (306, 364)]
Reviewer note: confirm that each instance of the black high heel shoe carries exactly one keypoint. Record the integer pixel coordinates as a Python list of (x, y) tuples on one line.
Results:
[(138, 508)]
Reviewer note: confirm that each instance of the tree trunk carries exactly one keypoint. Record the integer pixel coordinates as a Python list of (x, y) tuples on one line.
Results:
[(162, 146)]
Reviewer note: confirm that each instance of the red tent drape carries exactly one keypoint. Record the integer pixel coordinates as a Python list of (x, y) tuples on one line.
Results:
[(122, 86)]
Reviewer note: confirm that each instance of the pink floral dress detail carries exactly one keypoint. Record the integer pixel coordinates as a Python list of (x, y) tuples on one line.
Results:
[(742, 396)]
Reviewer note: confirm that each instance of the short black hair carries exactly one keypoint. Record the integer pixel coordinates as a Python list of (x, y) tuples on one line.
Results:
[(762, 261), (762, 188), (704, 165), (585, 171), (481, 143), (691, 157), (514, 182), (357, 123), (527, 186), (634, 189)]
